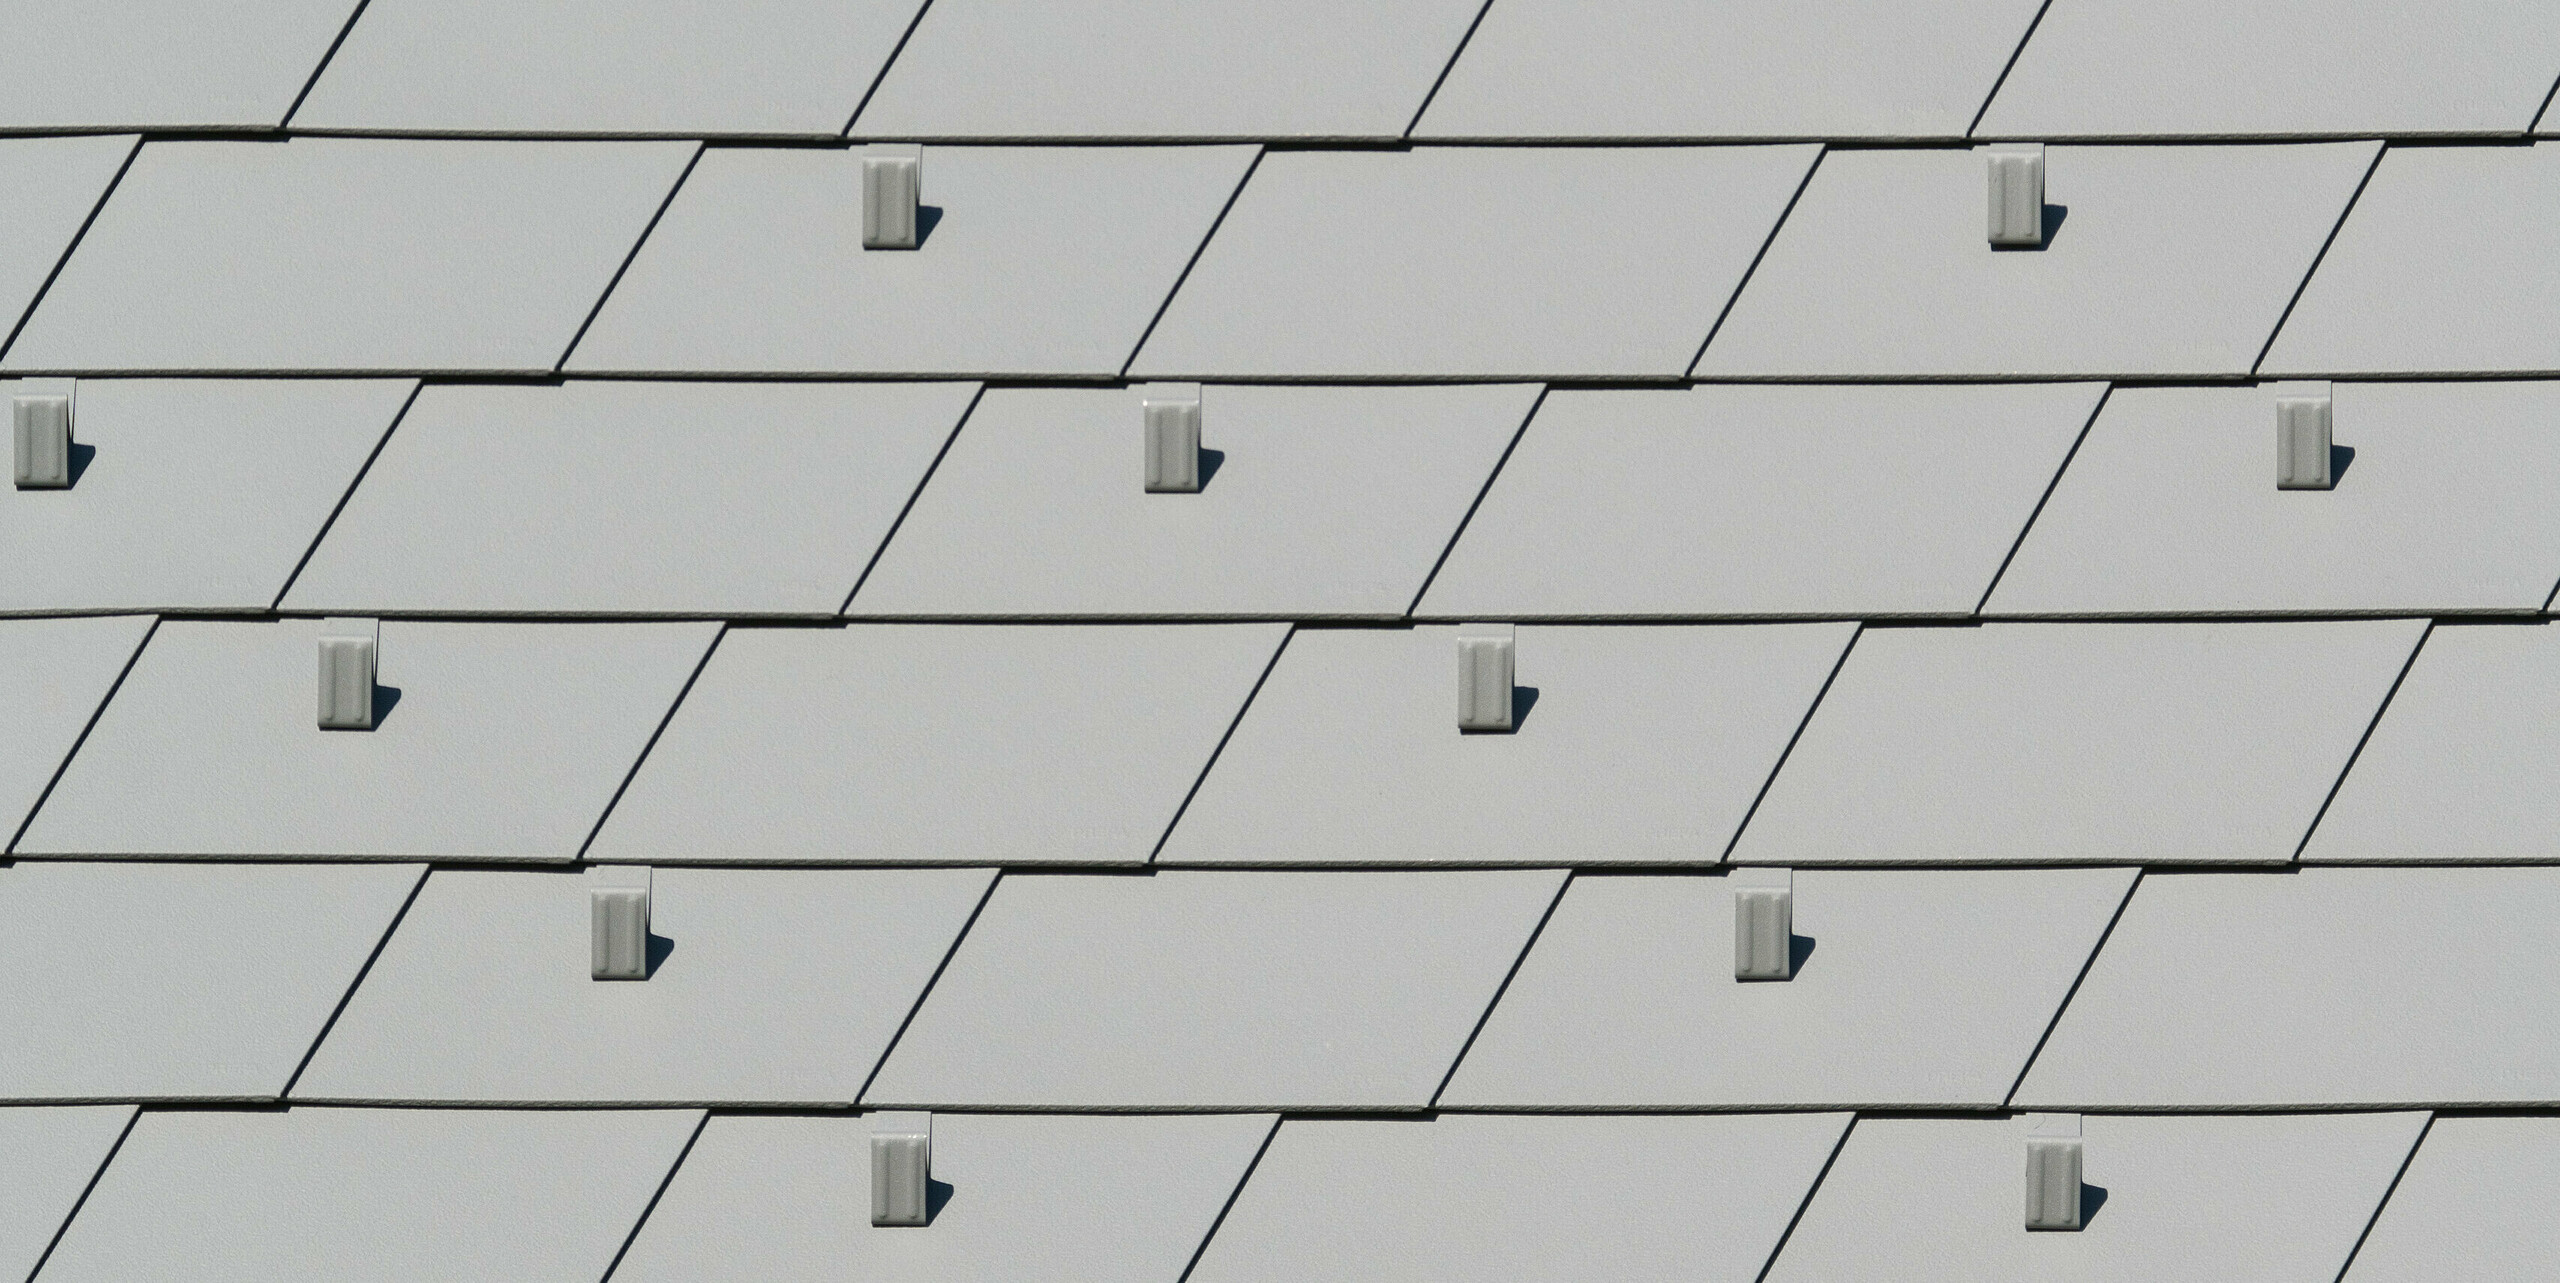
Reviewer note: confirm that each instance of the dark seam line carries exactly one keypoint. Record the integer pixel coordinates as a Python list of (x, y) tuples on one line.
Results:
[(73, 247), (345, 497), (2543, 110), (2332, 239), (314, 82), (1518, 961), (380, 943), (699, 1126), (883, 77), (1214, 753), (663, 723), (2370, 726), (2051, 484), (1690, 370), (1242, 1180), (562, 365), (1194, 261), (131, 1120), (2086, 965), (2007, 67), (959, 937), (1726, 856), (1806, 1203), (2424, 1129), (948, 439), (63, 767), (1446, 68), (1517, 435)]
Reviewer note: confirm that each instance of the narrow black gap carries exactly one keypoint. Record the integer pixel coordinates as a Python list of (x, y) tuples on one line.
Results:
[(1519, 960), (2086, 964), (345, 497), (2006, 67), (1807, 1203), (700, 1125), (883, 76), (1194, 261), (2387, 1192), (2041, 500), (1735, 298), (131, 1121), (1789, 751), (62, 767), (646, 749), (1517, 434), (927, 992), (70, 249), (1230, 1205), (2543, 110), (381, 943), (2369, 727), (1214, 753), (912, 495), (628, 260), (1447, 67), (308, 85), (2332, 239)]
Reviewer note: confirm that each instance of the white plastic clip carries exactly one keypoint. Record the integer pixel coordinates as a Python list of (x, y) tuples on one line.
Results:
[(618, 903), (1172, 412), (350, 651), (2053, 1171), (1485, 655), (2302, 437), (892, 186), (901, 1168), (1764, 916), (2017, 193), (40, 415)]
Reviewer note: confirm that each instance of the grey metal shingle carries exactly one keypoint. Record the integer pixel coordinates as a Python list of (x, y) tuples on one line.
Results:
[(2469, 1206), (48, 189), (129, 63), (48, 1156), (54, 676)]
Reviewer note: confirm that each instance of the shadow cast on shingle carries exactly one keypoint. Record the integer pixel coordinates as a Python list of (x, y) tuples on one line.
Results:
[(2053, 216)]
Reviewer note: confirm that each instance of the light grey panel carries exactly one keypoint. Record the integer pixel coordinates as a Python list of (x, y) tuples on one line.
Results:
[(1077, 1199), (686, 498), (1321, 502), (88, 63), (1538, 1200), (2396, 293), (48, 1156), (2459, 767), (1216, 990), (2164, 261), (2099, 743), (764, 986), (2470, 1207), (48, 189), (604, 67), (194, 493), (2279, 1199), (1166, 69), (2338, 67), (1911, 989), (401, 1195), (2327, 987), (1474, 262), (1741, 500), (1030, 261), (907, 742), (1640, 744), (349, 254), (505, 741), (54, 675), (175, 982), (1726, 69), (2169, 507)]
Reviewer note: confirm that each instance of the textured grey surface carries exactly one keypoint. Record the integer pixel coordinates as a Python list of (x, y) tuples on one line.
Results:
[(2455, 769), (607, 498), (2469, 1206), (48, 1156), (1082, 1199), (54, 676), (48, 189), (1216, 990), (88, 63)]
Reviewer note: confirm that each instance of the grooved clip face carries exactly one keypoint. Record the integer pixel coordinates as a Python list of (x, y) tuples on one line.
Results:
[(41, 426), (1764, 912), (1485, 660), (349, 654), (618, 909), (2302, 437), (901, 1169), (892, 190), (1172, 413), (2053, 1171), (2017, 193)]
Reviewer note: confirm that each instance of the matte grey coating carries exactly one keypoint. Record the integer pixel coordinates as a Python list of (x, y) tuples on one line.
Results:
[(1166, 69), (901, 1169), (1116, 1199), (179, 982), (2302, 437), (54, 676), (2197, 68), (1474, 263), (2443, 508), (1912, 989), (603, 67), (194, 493), (87, 63), (2328, 987), (2469, 1206), (1488, 656), (2017, 193), (1537, 1200), (1726, 69), (1744, 500), (2054, 1191), (2280, 1199), (2459, 767), (402, 1196), (2146, 743), (621, 932), (2394, 293), (892, 183), (639, 498), (1633, 745), (48, 1156), (347, 668), (894, 743), (2165, 261), (1172, 415), (1764, 903), (1323, 502), (40, 434), (1216, 990), (1029, 261), (764, 986), (325, 254), (504, 741), (48, 189)]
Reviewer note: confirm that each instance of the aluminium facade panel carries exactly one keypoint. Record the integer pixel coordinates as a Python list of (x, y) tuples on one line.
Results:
[(148, 63), (2466, 1207), (55, 674), (49, 188), (48, 1156)]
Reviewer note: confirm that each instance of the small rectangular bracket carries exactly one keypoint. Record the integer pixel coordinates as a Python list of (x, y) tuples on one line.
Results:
[(1486, 653), (1172, 412), (618, 904), (2017, 193), (901, 1168), (2053, 1171), (40, 414), (1764, 914), (2302, 436), (892, 188), (350, 656)]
